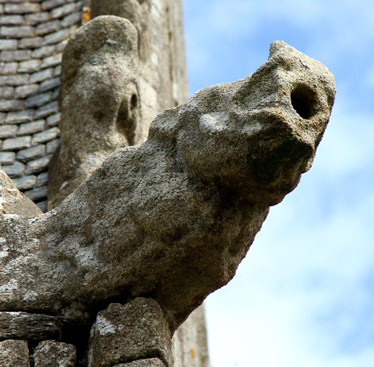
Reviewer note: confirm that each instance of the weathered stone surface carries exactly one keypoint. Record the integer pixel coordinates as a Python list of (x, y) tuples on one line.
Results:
[(45, 136), (17, 143), (100, 90), (124, 333), (31, 153), (31, 127), (15, 80), (7, 131), (12, 201), (28, 326), (14, 170), (38, 193), (14, 353), (162, 63), (149, 362), (189, 201), (6, 92), (32, 43), (7, 157), (25, 183), (8, 68), (50, 353), (46, 110), (190, 341), (21, 116), (26, 90)]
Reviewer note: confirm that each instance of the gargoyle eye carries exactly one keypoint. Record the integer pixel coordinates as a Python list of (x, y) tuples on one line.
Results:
[(304, 101)]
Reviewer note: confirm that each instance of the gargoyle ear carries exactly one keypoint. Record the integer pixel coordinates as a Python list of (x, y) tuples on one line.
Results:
[(278, 47)]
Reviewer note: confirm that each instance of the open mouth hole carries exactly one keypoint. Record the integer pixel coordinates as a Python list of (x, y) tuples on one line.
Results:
[(304, 101)]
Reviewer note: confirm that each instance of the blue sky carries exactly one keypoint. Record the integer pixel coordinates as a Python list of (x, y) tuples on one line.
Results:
[(304, 295)]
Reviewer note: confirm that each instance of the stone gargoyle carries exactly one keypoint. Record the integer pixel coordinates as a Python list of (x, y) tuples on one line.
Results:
[(171, 219)]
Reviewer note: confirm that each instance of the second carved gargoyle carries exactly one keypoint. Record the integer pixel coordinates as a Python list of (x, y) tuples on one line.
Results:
[(172, 218)]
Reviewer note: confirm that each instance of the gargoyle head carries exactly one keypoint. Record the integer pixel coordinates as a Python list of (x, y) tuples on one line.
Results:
[(256, 136)]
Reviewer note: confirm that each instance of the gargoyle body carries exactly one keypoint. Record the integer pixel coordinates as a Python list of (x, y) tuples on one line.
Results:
[(172, 218)]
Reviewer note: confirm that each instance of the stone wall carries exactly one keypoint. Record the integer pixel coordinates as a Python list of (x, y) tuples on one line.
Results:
[(32, 37)]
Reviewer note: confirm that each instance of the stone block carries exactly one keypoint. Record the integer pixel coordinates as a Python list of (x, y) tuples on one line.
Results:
[(8, 131), (53, 120), (61, 45), (31, 153), (52, 60), (36, 194), (45, 136), (11, 20), (38, 100), (11, 104), (190, 345), (43, 51), (64, 10), (15, 55), (71, 19), (57, 71), (24, 183), (46, 110), (37, 165), (36, 18), (26, 90), (22, 8), (8, 44), (17, 143), (17, 31), (30, 42), (48, 27), (43, 205), (50, 353), (8, 68), (6, 92), (55, 94), (15, 170), (21, 116), (52, 146), (49, 84), (22, 325), (42, 179), (46, 5), (31, 127), (7, 158), (41, 76), (148, 362), (29, 66), (56, 37), (14, 353), (17, 79), (124, 333)]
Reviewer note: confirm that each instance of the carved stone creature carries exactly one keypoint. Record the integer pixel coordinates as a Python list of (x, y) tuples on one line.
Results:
[(99, 101), (171, 219)]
